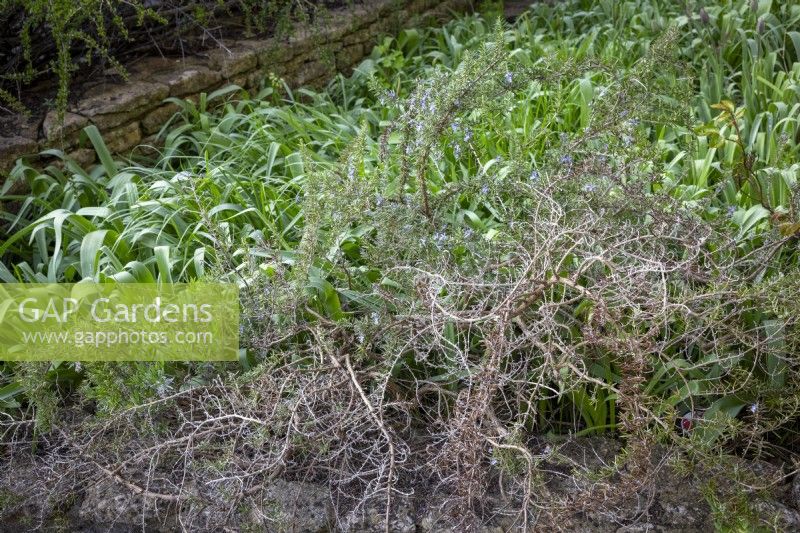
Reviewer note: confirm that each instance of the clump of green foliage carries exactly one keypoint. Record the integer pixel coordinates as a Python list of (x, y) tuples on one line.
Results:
[(583, 223)]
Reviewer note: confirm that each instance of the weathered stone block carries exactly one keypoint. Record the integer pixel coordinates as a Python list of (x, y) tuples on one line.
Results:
[(12, 148), (150, 146), (284, 70), (418, 6), (145, 66), (83, 156), (156, 118), (240, 80), (122, 98), (359, 36), (383, 27), (188, 80), (55, 130), (313, 70), (233, 61), (270, 57), (249, 81), (182, 76), (124, 138), (269, 51), (335, 29), (253, 80), (366, 15), (349, 56), (303, 42)]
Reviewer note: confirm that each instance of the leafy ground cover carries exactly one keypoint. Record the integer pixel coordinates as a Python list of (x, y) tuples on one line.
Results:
[(586, 222)]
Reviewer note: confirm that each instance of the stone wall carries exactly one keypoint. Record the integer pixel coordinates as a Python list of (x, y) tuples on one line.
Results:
[(131, 113)]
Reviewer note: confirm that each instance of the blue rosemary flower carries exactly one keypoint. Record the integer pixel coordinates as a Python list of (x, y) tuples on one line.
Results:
[(439, 238), (164, 387)]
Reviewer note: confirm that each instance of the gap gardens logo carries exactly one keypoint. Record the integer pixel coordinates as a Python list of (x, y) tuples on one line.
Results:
[(119, 322)]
